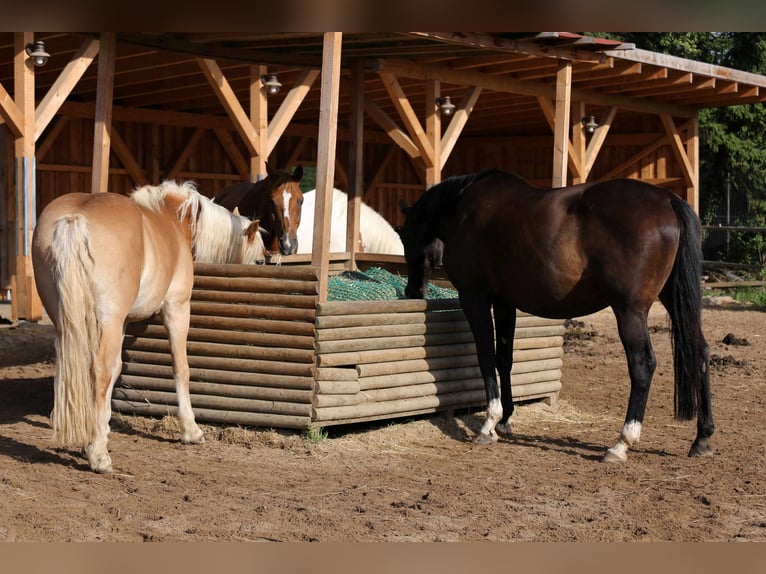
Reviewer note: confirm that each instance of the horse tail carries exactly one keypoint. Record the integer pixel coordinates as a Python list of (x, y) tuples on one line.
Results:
[(682, 296), (78, 333)]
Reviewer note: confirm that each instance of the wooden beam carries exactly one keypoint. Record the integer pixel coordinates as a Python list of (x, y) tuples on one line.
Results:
[(289, 106), (64, 84), (11, 113), (408, 116), (103, 123), (25, 302), (50, 137), (693, 153), (232, 151), (433, 131), (561, 141), (579, 143), (259, 117), (185, 153), (447, 75), (549, 111), (389, 126), (355, 159), (679, 149), (615, 171), (458, 122), (231, 104), (597, 141), (326, 145), (122, 151)]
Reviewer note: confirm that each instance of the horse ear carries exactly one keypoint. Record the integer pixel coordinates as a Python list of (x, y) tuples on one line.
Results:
[(236, 210), (403, 207), (252, 229), (298, 173)]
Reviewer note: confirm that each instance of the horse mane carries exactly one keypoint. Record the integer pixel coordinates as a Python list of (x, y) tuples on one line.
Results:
[(216, 232)]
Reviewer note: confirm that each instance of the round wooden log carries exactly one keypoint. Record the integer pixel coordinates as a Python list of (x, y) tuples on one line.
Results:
[(389, 306), (237, 311), (278, 327), (370, 319), (539, 332), (387, 408), (338, 400), (215, 402), (206, 388), (538, 390), (256, 285), (523, 361), (223, 363), (342, 333), (231, 337), (276, 299), (336, 374), (222, 350), (302, 272), (222, 376), (537, 342), (215, 416), (472, 373), (375, 343), (422, 390), (386, 355), (337, 387)]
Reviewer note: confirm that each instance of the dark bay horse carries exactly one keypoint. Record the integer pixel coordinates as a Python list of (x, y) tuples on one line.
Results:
[(276, 201), (562, 253), (101, 260)]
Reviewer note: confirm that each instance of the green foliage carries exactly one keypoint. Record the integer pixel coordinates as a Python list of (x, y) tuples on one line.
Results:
[(315, 435), (732, 140)]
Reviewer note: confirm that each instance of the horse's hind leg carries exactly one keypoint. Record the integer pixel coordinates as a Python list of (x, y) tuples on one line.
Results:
[(634, 335), (108, 364), (176, 319)]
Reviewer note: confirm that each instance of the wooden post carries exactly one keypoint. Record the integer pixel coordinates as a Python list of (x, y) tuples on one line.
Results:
[(103, 120), (328, 128), (693, 153), (25, 301), (579, 143), (433, 132), (259, 108), (561, 127), (355, 160)]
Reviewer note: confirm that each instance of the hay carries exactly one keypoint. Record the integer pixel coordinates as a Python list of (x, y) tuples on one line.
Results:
[(376, 284)]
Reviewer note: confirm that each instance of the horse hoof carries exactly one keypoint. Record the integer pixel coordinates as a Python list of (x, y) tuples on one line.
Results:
[(504, 429), (701, 449), (612, 456), (195, 438), (102, 466), (482, 438)]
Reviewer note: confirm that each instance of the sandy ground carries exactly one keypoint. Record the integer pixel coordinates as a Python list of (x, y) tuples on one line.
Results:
[(408, 480)]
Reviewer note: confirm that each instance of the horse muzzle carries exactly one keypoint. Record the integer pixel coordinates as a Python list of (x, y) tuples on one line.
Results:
[(288, 245)]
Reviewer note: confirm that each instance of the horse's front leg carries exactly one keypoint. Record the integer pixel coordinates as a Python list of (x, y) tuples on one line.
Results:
[(476, 306), (176, 316), (505, 326), (641, 365)]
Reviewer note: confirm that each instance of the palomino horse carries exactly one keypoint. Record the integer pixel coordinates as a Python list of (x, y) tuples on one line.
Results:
[(377, 235), (103, 259), (563, 253), (276, 201)]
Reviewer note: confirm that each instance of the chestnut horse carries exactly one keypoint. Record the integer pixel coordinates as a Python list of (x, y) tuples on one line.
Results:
[(276, 201), (101, 260), (562, 253)]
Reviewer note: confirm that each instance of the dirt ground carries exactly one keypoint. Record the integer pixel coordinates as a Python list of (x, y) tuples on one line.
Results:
[(408, 480)]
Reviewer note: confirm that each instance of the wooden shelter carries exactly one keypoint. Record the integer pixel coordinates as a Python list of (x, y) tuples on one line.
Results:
[(110, 111)]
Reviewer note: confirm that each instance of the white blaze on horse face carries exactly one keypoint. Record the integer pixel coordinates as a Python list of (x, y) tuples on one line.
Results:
[(286, 196)]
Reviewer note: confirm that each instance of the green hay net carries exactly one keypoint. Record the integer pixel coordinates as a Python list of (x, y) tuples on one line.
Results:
[(376, 284)]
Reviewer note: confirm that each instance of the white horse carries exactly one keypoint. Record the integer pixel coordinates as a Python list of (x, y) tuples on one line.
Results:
[(377, 235)]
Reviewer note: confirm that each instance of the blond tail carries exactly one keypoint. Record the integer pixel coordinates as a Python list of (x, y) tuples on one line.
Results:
[(78, 333)]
